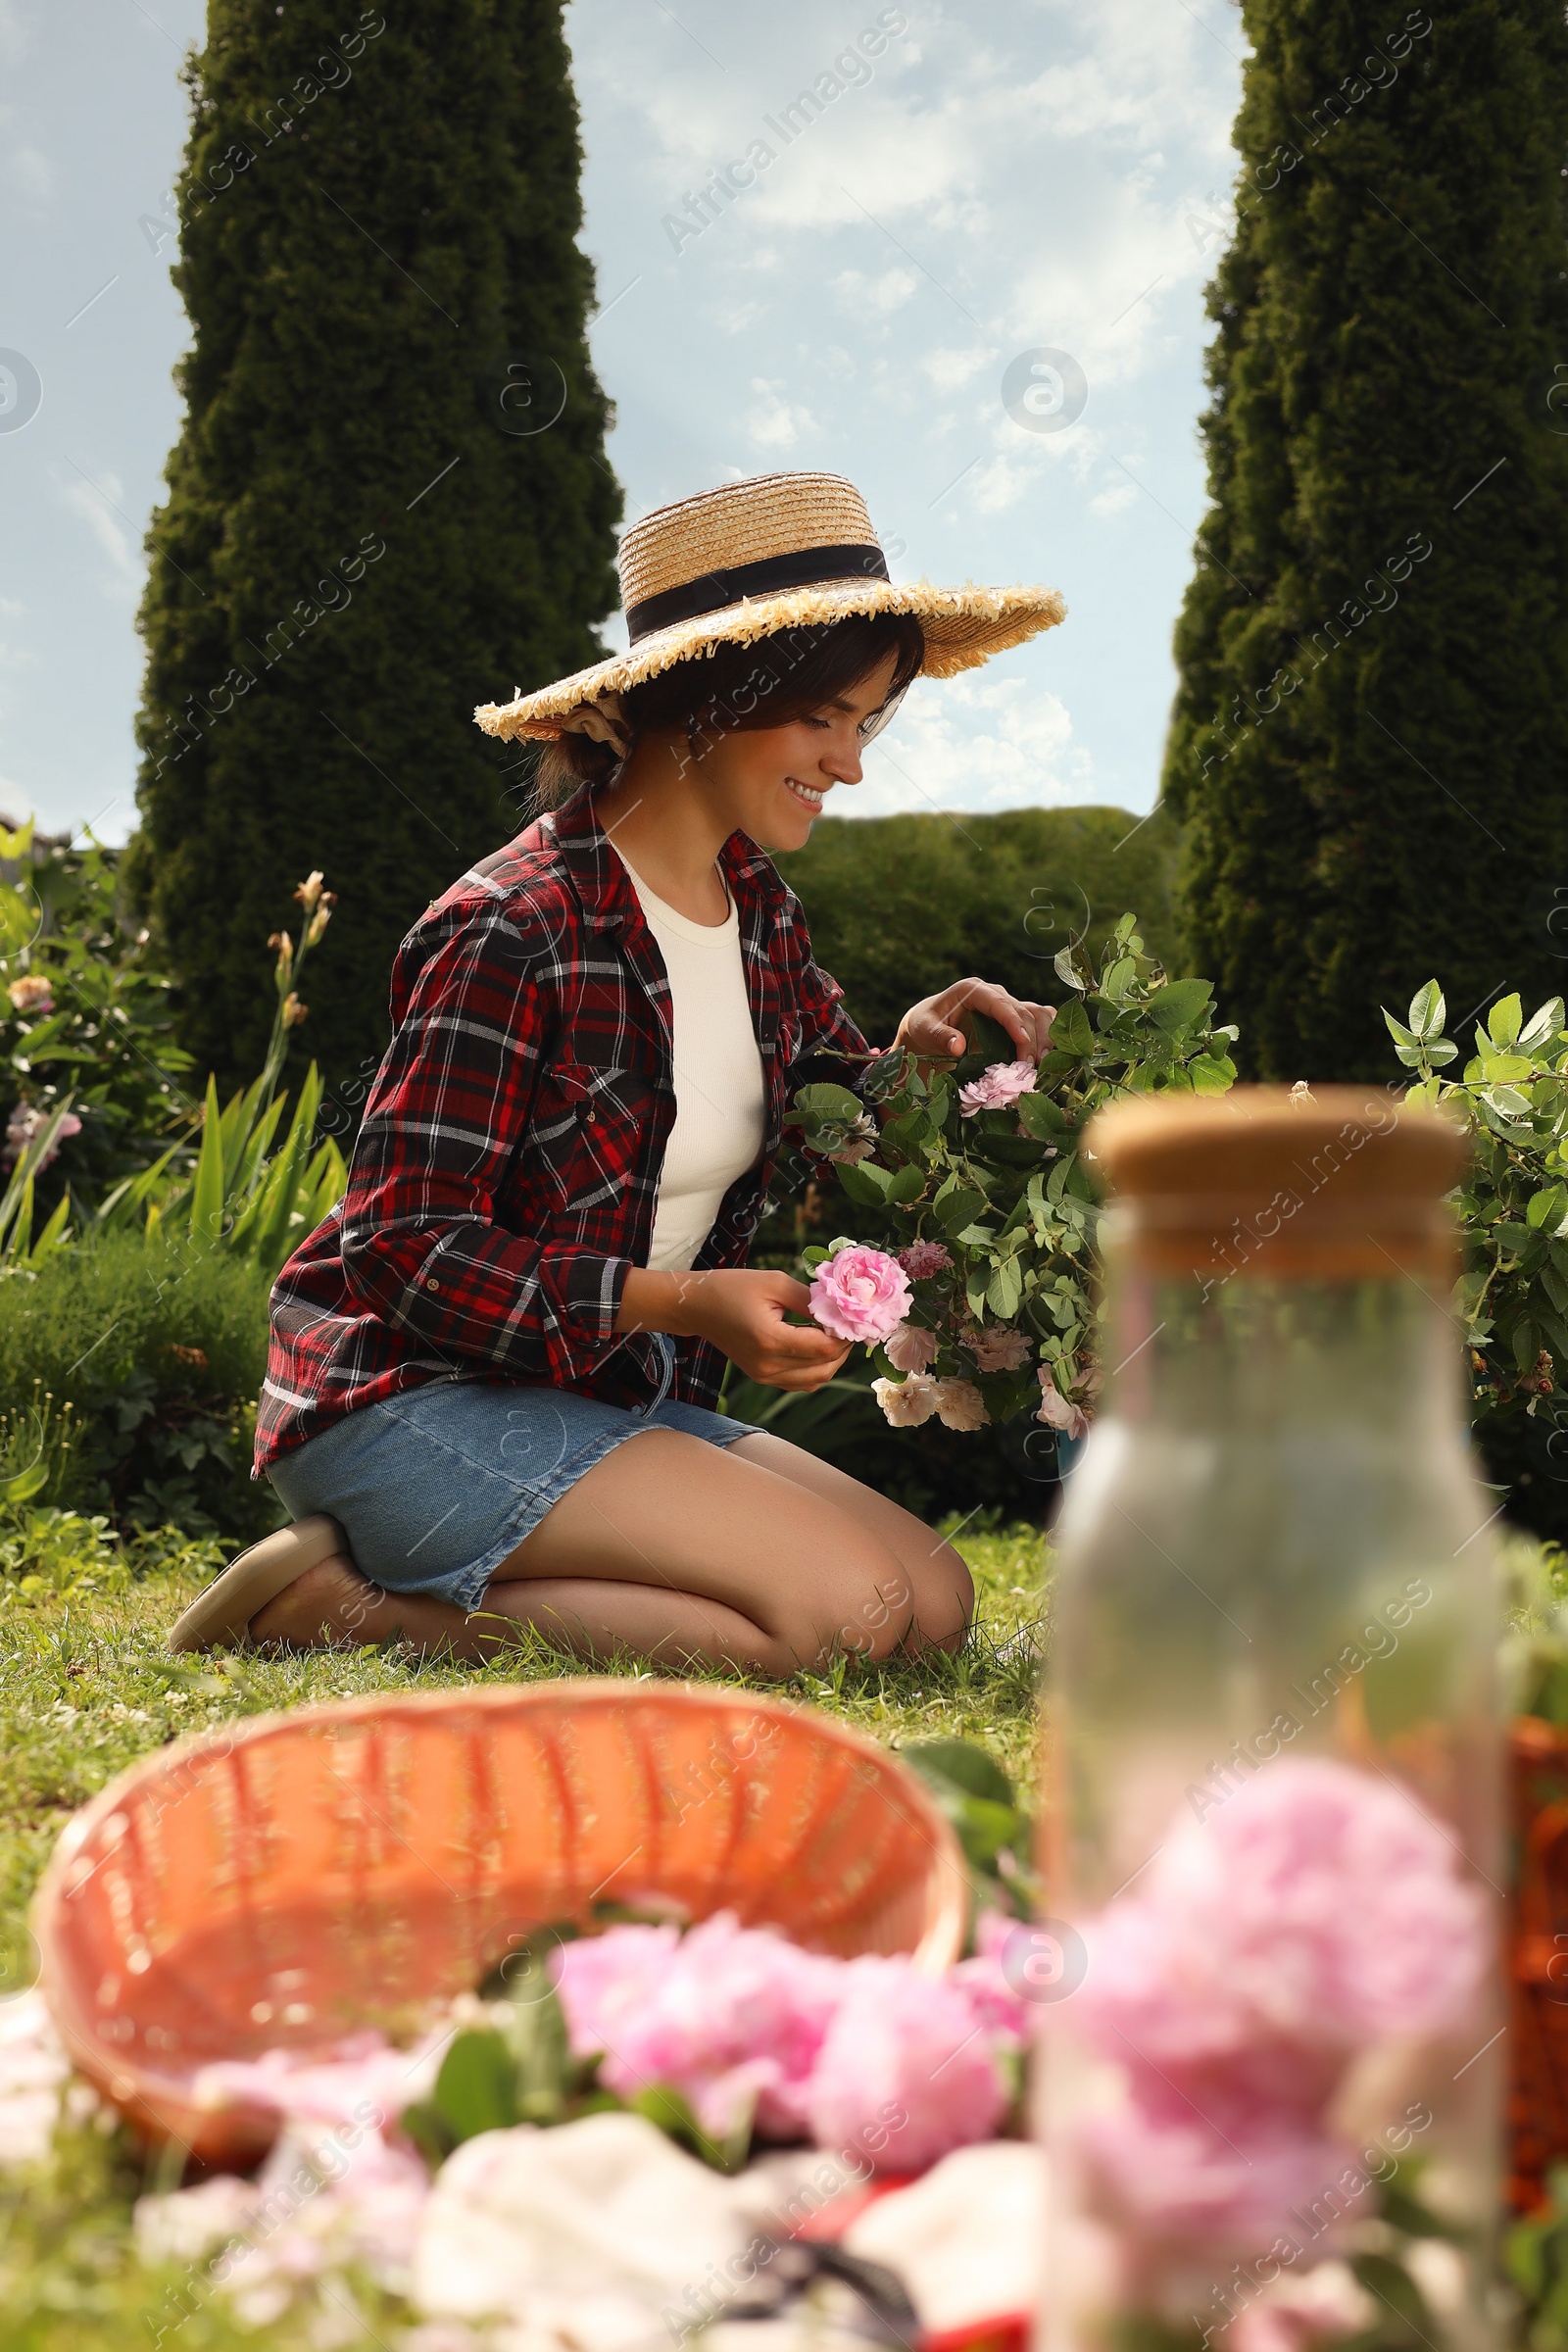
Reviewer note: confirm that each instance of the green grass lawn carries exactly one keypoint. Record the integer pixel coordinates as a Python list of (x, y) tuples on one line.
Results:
[(85, 1688)]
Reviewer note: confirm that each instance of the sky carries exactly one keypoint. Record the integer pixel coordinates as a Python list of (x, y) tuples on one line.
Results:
[(958, 256)]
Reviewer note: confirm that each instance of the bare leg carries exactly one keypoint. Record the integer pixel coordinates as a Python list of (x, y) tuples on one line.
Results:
[(677, 1550)]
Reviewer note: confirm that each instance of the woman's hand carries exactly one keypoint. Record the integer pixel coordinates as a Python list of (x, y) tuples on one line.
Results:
[(742, 1313), (935, 1028)]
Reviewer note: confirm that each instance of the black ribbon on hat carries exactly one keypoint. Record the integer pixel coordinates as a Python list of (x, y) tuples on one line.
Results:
[(804, 568)]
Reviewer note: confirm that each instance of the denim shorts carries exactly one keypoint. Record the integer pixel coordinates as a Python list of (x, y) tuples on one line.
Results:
[(435, 1486)]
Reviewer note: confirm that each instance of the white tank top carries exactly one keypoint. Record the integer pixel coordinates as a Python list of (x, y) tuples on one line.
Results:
[(720, 1103)]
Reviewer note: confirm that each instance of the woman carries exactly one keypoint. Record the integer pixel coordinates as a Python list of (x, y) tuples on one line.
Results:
[(540, 1254)]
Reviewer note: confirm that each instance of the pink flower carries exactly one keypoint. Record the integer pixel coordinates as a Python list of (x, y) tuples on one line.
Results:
[(27, 1121), (1057, 1412), (901, 2073), (910, 1348), (906, 1403), (1316, 1906), (996, 1088), (960, 1404), (857, 1143), (32, 993), (923, 1258), (1197, 2159), (994, 1346), (985, 1983), (334, 2085), (723, 2014), (1303, 2308), (860, 1295)]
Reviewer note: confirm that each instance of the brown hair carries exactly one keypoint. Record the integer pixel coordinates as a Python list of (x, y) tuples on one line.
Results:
[(738, 688)]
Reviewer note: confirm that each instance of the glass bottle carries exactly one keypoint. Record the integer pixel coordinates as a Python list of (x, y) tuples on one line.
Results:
[(1270, 2056)]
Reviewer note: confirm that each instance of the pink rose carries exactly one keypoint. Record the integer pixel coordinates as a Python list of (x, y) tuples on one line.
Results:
[(724, 2015), (860, 1295), (923, 1258), (910, 1348), (1057, 1412), (960, 1404), (1305, 2308), (994, 1346), (904, 2044), (985, 1983), (996, 1088), (1193, 2158), (32, 993), (906, 1403), (1316, 1906)]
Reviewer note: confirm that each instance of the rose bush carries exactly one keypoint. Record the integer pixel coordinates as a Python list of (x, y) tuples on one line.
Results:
[(974, 1175)]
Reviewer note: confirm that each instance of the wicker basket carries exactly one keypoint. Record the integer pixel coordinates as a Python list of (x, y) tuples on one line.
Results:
[(1538, 1987), (285, 1880)]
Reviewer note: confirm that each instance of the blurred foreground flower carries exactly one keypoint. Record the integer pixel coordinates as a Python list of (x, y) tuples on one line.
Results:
[(24, 1123), (32, 993)]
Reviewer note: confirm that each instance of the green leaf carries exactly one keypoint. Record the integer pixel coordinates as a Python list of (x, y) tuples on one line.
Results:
[(1400, 1035), (825, 1101), (1116, 983), (1004, 1291), (1545, 1210), (866, 1182), (1179, 1003), (1428, 1011), (207, 1194), (1503, 1021), (26, 1484), (956, 1209), (1066, 970), (1211, 1073), (476, 2089), (1070, 1032), (1039, 1116), (961, 1763), (1542, 1027), (907, 1185), (673, 2113), (987, 1037)]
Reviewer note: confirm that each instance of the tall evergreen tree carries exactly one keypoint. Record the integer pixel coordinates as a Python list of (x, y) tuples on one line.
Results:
[(1369, 744), (389, 500)]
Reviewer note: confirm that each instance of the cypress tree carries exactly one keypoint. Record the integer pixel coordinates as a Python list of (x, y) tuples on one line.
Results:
[(389, 500), (1369, 744)]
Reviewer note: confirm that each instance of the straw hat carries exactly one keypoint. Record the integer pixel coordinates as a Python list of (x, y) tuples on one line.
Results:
[(780, 551)]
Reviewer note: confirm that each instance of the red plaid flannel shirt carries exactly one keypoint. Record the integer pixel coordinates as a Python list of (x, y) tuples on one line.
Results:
[(507, 1172)]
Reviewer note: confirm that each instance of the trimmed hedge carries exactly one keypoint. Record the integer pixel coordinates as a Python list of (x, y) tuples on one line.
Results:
[(131, 1368), (899, 906)]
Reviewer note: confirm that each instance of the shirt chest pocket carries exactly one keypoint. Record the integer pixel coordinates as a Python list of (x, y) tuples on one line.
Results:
[(591, 1131)]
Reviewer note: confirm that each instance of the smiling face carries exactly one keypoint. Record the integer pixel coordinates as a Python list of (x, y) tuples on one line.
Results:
[(771, 782)]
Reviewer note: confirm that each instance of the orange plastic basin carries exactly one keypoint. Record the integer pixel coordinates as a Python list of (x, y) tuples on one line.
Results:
[(287, 1879)]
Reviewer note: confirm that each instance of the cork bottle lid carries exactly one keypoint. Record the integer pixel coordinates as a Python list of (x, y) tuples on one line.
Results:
[(1343, 1181), (1260, 1139)]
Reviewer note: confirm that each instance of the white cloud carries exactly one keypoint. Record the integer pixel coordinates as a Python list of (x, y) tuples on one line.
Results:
[(30, 173), (95, 507), (950, 370), (773, 423), (876, 296), (977, 742)]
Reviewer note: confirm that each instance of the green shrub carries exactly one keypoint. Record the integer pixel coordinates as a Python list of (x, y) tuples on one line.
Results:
[(85, 1027), (900, 906), (130, 1369)]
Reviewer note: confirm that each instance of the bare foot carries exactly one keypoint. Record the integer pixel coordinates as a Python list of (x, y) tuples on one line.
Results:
[(330, 1606)]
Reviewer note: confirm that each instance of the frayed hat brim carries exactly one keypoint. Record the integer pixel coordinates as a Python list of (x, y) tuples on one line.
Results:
[(964, 627)]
